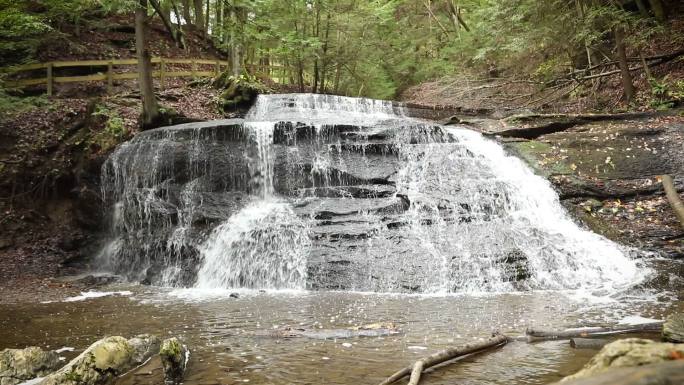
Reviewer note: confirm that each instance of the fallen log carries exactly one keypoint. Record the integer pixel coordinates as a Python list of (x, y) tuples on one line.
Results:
[(673, 197), (587, 343), (416, 369), (541, 335)]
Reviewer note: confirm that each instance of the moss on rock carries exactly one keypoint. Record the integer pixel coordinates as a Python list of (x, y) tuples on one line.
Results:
[(174, 356), (628, 353), (105, 360), (19, 365), (673, 329)]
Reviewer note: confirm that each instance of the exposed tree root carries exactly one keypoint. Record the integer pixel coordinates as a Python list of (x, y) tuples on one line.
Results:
[(416, 369)]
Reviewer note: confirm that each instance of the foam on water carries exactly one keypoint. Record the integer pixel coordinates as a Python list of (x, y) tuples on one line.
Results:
[(263, 246)]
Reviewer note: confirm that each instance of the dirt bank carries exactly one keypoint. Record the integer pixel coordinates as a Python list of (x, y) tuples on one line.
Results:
[(606, 170)]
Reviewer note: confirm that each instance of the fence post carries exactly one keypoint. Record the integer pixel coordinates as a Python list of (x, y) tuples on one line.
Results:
[(162, 68), (110, 77), (218, 67), (194, 69), (49, 79)]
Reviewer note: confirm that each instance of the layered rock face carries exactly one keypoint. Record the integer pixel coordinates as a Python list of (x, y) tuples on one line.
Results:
[(324, 192)]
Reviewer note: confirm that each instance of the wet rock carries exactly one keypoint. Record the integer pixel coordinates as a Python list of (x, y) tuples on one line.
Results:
[(174, 357), (105, 360), (627, 353), (664, 373), (234, 295), (673, 329), (19, 365), (97, 280)]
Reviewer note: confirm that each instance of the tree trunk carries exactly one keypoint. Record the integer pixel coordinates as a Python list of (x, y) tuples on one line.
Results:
[(166, 20), (658, 10), (324, 66), (207, 18), (627, 83), (316, 32), (150, 109), (186, 12), (234, 46), (643, 10), (218, 25), (199, 15)]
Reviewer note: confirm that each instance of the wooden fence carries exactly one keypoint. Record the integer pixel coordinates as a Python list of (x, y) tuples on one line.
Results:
[(111, 75)]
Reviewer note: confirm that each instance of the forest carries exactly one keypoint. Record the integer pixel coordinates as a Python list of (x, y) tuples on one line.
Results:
[(341, 192), (381, 48)]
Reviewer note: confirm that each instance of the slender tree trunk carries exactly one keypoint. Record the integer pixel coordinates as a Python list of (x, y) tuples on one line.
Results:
[(199, 15), (643, 10), (207, 18), (326, 39), (316, 32), (218, 25), (234, 46), (150, 109), (658, 10), (627, 83), (186, 12), (164, 15)]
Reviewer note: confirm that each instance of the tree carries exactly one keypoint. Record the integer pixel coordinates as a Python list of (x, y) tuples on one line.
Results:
[(150, 109)]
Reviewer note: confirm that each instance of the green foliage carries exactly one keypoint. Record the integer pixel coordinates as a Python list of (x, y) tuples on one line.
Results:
[(10, 104), (21, 31), (114, 129), (666, 93)]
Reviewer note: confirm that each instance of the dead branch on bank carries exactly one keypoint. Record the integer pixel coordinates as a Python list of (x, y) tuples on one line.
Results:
[(673, 197), (416, 369), (655, 61), (542, 335)]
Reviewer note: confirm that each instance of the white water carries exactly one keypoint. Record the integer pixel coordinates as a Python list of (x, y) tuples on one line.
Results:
[(263, 246), (500, 204)]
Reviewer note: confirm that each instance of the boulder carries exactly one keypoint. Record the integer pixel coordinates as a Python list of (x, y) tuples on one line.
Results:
[(673, 328), (19, 365), (664, 373), (174, 357), (105, 360), (628, 353)]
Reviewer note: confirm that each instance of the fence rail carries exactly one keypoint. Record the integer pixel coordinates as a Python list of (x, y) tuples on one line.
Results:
[(110, 75)]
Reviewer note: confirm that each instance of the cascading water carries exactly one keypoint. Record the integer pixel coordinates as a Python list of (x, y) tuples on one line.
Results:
[(328, 192)]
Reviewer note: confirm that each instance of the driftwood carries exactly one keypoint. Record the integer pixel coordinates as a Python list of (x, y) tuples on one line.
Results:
[(541, 335), (666, 373), (587, 343), (673, 197), (416, 369)]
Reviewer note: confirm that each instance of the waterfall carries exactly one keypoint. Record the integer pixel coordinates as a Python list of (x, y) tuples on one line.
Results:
[(329, 192)]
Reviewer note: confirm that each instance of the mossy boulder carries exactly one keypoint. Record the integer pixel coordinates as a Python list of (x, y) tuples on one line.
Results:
[(174, 357), (629, 352), (238, 91), (673, 328), (105, 360), (19, 365)]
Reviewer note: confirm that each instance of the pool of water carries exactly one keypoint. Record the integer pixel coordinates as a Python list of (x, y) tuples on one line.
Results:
[(226, 339)]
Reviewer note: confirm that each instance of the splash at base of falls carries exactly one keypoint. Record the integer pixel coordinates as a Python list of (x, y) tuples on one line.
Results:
[(333, 193), (263, 246)]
